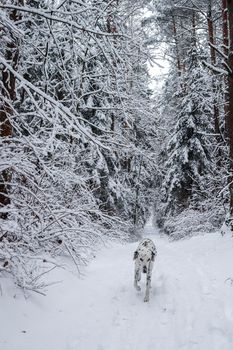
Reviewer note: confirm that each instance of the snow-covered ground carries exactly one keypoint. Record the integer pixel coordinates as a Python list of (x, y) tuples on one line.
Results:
[(191, 305)]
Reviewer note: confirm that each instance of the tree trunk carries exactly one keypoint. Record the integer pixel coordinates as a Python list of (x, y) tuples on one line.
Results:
[(176, 45), (225, 40), (194, 36), (211, 32), (211, 37), (229, 119), (225, 30), (8, 95)]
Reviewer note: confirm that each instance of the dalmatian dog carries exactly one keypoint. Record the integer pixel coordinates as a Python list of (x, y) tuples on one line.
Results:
[(144, 258)]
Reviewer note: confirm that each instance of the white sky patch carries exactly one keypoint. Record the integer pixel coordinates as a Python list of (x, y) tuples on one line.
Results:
[(159, 69), (158, 74)]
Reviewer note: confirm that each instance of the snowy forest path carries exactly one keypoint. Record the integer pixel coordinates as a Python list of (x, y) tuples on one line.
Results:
[(190, 307)]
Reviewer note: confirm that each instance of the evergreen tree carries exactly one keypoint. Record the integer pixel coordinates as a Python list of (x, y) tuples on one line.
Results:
[(188, 153)]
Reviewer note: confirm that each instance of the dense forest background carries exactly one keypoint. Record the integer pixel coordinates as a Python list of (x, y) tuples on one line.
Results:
[(88, 150)]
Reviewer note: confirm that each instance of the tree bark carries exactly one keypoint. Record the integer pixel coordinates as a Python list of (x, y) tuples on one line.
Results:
[(178, 60), (229, 117), (211, 37), (225, 40), (211, 32), (225, 30), (8, 94)]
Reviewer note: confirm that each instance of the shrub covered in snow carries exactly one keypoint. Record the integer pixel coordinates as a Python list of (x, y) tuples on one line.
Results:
[(191, 222)]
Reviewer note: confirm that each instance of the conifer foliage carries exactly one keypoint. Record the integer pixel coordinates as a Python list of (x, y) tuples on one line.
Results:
[(194, 156)]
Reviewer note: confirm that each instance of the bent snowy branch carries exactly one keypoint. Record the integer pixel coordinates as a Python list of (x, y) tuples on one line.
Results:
[(62, 110), (68, 22)]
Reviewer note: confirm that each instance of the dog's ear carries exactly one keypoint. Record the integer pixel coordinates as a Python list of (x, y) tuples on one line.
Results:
[(135, 255), (152, 256)]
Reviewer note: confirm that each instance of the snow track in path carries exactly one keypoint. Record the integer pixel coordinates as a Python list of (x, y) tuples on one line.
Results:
[(190, 308)]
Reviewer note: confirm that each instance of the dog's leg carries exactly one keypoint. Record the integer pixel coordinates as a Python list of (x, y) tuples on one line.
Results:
[(148, 286), (150, 272), (139, 275), (136, 278)]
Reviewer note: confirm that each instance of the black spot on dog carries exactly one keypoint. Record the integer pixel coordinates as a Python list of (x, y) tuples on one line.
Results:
[(6, 263), (152, 256)]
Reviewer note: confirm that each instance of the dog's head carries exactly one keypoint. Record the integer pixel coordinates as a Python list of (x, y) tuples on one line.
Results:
[(144, 258)]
